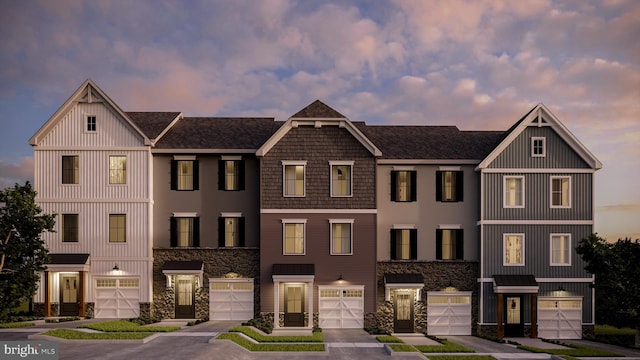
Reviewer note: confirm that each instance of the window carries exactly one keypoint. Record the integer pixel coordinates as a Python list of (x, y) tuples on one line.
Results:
[(538, 147), (185, 232), (70, 169), (513, 250), (560, 249), (184, 174), (117, 169), (293, 238), (449, 244), (294, 173), (403, 186), (69, 227), (117, 228), (341, 237), (231, 174), (449, 186), (91, 123), (560, 191), (341, 178), (404, 244), (513, 192), (231, 230)]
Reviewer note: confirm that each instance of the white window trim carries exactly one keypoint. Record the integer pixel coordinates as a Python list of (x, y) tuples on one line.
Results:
[(544, 146), (504, 187), (304, 235), (551, 263), (338, 163), (126, 171), (184, 157), (340, 221), (504, 249), (551, 192), (86, 123), (231, 158), (449, 226), (231, 214), (185, 214), (109, 230), (302, 163)]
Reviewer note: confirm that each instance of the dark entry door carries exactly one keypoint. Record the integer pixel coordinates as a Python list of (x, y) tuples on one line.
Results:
[(514, 325), (185, 296), (69, 295), (403, 310), (293, 305)]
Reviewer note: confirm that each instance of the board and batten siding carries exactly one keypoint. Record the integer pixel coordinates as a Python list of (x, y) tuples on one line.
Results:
[(537, 197), (559, 155)]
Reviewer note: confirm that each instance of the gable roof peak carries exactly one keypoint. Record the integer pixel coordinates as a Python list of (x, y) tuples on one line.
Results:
[(318, 110)]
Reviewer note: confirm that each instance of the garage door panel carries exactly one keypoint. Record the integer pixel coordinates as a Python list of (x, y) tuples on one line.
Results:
[(341, 307), (117, 298), (560, 318), (448, 313), (231, 300)]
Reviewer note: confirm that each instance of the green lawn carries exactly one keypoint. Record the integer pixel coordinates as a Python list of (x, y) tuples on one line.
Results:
[(20, 324), (446, 347), (388, 339), (575, 351), (611, 330), (79, 335), (270, 347), (317, 336), (460, 357), (127, 326), (402, 348)]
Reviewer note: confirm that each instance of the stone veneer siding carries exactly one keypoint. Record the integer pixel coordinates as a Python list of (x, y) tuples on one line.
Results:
[(218, 263), (437, 275)]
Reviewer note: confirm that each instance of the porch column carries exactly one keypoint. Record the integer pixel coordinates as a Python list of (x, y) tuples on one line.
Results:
[(534, 316), (47, 295), (500, 333), (276, 304), (81, 304), (310, 323)]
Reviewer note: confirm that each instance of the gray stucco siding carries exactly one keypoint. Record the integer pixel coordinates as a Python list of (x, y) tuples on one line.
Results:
[(559, 155)]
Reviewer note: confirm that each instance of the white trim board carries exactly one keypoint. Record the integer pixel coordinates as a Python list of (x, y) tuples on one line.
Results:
[(318, 211)]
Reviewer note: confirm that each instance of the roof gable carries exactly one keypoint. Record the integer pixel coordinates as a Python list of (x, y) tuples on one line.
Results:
[(318, 110), (154, 124)]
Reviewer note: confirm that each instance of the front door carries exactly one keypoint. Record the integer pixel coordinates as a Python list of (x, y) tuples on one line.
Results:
[(403, 310), (294, 305), (514, 326), (185, 296), (69, 295)]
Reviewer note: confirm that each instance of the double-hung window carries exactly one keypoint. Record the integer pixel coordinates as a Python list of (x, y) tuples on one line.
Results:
[(538, 147), (91, 123), (513, 196), (117, 169), (341, 237), (404, 244), (231, 173), (293, 178), (185, 230), (184, 173), (293, 236), (341, 175), (231, 230), (449, 185), (69, 228), (449, 244), (560, 249), (560, 191), (403, 185), (513, 245), (117, 228), (70, 169)]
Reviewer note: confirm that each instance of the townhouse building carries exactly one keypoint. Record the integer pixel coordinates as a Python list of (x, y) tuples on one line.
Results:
[(315, 221)]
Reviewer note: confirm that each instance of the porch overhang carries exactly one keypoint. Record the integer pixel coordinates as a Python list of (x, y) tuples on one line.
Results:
[(403, 281), (68, 262), (193, 267), (515, 284)]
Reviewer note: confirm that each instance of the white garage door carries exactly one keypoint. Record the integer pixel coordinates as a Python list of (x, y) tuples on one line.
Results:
[(560, 318), (448, 313), (117, 298), (341, 307), (230, 299)]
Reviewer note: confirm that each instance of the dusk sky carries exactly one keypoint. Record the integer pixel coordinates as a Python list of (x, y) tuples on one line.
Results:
[(479, 65)]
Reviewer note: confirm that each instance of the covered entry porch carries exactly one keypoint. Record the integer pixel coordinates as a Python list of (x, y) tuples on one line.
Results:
[(293, 298), (65, 283), (514, 294)]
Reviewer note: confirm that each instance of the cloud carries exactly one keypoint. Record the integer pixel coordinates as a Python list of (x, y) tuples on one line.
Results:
[(11, 173)]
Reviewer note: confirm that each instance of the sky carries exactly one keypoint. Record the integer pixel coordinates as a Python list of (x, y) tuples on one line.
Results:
[(479, 65)]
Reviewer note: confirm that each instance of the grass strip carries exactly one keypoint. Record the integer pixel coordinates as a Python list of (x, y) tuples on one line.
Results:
[(612, 330), (402, 348), (446, 347), (574, 351), (127, 326), (388, 339), (13, 325), (316, 337), (269, 347), (460, 357), (79, 335)]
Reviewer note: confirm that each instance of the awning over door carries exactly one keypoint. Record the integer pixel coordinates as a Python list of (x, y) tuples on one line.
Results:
[(193, 267), (403, 281), (293, 269), (68, 262), (521, 284)]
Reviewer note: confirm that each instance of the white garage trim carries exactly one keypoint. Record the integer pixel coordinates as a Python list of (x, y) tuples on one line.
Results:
[(231, 299), (341, 307), (117, 297), (560, 317), (449, 313)]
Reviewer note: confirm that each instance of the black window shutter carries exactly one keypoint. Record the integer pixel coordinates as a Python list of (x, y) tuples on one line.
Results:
[(241, 175), (394, 182), (241, 232), (459, 185), (220, 174), (394, 255), (438, 244), (221, 232), (174, 174), (173, 232), (414, 185), (459, 244), (438, 185), (413, 243), (196, 232), (196, 175)]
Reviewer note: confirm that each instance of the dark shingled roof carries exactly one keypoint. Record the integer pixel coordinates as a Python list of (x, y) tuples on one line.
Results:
[(515, 280), (152, 123), (218, 133), (293, 269), (318, 109), (68, 259), (182, 265), (403, 279), (430, 142)]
